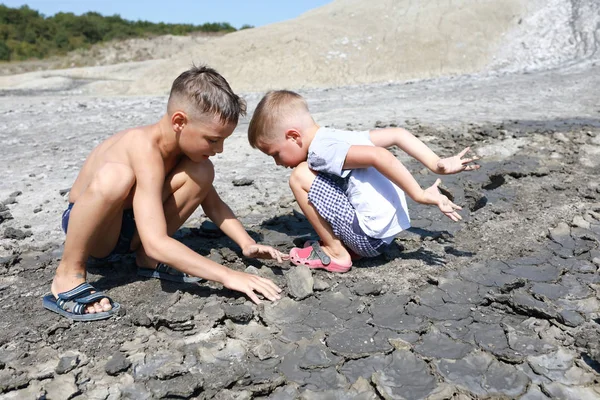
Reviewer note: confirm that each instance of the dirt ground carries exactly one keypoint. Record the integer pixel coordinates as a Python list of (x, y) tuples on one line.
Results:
[(504, 304)]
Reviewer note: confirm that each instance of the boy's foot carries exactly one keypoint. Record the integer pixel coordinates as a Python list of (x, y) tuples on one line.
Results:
[(81, 303), (353, 255), (163, 271), (313, 256), (160, 270)]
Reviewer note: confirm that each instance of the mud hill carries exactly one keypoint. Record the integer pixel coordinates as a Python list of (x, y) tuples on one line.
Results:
[(355, 42)]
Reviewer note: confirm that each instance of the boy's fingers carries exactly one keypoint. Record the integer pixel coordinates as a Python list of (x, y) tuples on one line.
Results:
[(270, 283), (462, 153), (469, 160), (253, 296), (437, 182)]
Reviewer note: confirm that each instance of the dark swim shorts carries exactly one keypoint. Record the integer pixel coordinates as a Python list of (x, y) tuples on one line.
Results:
[(125, 236)]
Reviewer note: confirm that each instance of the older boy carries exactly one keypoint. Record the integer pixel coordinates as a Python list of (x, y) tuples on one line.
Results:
[(350, 188), (162, 173)]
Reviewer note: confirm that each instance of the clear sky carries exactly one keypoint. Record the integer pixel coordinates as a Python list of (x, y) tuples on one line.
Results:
[(236, 12)]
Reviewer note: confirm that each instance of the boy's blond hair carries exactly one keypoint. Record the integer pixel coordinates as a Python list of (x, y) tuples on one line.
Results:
[(202, 90), (274, 107)]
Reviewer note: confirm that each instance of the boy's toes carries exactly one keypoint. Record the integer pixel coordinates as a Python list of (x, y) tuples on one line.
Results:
[(105, 305), (91, 309)]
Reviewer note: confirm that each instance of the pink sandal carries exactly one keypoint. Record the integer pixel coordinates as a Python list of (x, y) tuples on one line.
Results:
[(353, 255), (314, 257)]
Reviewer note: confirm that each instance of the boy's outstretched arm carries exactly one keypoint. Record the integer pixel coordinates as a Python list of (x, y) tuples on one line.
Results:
[(152, 228), (220, 213), (386, 163), (415, 148)]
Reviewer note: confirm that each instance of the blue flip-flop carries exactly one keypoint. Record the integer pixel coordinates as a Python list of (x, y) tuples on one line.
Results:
[(72, 304), (164, 272)]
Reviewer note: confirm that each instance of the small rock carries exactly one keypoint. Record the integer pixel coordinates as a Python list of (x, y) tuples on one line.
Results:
[(238, 313), (66, 364), (300, 282), (13, 233), (320, 285), (367, 289), (117, 363), (37, 210), (579, 222), (242, 182)]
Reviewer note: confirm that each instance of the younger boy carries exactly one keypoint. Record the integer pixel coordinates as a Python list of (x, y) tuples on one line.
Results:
[(161, 173), (349, 186)]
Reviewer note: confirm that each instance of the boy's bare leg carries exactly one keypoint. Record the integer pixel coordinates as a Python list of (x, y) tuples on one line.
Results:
[(185, 188), (300, 181), (94, 227)]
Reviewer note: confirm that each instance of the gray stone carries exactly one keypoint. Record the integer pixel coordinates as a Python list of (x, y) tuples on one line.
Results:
[(339, 304), (227, 394), (17, 234), (480, 374), (242, 181), (61, 387), (406, 377), (359, 342), (365, 367), (288, 392), (460, 292), (135, 391), (559, 367), (365, 288), (285, 311), (116, 364), (164, 364), (444, 312), (438, 345), (488, 274), (526, 342), (67, 363), (457, 330), (534, 393), (264, 350), (314, 354), (526, 304), (320, 285), (430, 295), (536, 272), (300, 282), (570, 318), (360, 390), (238, 312), (559, 391), (323, 320), (182, 386), (562, 235), (294, 332)]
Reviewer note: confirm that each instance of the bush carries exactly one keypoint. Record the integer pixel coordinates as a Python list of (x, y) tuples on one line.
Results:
[(25, 33)]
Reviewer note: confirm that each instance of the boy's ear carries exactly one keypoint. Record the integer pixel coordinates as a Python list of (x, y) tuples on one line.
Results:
[(179, 120), (294, 135)]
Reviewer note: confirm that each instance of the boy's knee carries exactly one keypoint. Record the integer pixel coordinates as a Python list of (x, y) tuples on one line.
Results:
[(301, 176), (113, 181), (203, 173)]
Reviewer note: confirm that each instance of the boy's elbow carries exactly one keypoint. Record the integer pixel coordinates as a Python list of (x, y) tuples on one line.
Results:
[(154, 246)]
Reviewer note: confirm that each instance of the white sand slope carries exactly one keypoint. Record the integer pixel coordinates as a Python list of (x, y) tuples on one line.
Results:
[(353, 42)]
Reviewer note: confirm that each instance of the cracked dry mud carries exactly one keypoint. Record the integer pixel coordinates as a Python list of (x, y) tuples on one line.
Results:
[(502, 305)]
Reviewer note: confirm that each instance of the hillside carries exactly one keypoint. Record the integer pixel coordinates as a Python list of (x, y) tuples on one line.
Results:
[(349, 42)]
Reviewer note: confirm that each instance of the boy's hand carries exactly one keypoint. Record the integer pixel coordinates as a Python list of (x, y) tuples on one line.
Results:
[(248, 284), (445, 205), (455, 164), (262, 251)]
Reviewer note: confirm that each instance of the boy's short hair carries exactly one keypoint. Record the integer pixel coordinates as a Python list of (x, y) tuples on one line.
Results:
[(202, 90), (272, 108)]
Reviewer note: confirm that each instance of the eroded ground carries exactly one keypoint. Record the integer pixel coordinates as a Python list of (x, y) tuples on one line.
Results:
[(505, 304)]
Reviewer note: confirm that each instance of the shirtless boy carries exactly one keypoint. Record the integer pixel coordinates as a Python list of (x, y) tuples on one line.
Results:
[(160, 173)]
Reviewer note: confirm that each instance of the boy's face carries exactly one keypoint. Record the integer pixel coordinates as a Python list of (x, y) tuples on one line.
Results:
[(287, 151), (204, 137)]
